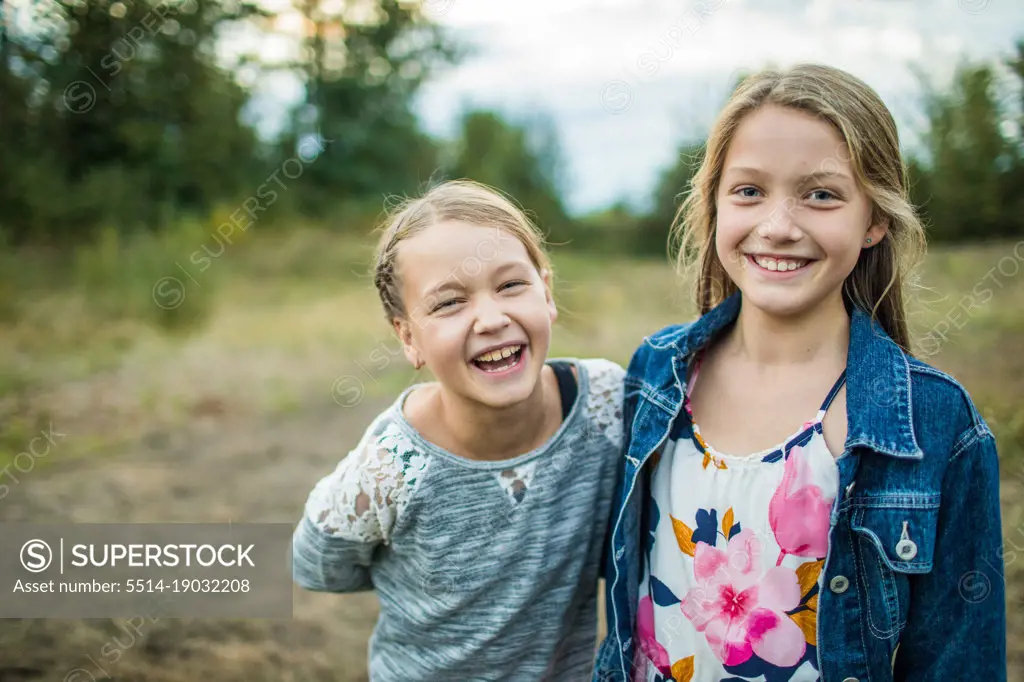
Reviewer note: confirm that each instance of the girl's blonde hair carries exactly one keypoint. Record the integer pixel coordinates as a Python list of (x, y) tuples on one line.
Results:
[(877, 282), (463, 200)]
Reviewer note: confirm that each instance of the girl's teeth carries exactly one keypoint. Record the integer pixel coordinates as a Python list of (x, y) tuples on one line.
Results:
[(779, 265), (499, 354)]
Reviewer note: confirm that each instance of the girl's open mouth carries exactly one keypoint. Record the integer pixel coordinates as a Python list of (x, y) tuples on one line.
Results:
[(500, 360), (778, 265)]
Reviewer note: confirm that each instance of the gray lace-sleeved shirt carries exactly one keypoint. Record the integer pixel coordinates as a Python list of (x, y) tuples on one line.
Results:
[(484, 570)]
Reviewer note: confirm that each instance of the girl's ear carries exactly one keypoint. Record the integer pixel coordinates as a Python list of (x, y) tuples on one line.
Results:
[(549, 295), (876, 232), (403, 329)]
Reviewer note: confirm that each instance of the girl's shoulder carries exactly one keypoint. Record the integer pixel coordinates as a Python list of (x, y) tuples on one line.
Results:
[(907, 410), (655, 353), (602, 374), (939, 402), (366, 493), (668, 337), (602, 403)]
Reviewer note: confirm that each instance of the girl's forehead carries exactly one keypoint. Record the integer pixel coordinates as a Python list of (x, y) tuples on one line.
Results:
[(464, 248), (774, 127), (785, 143)]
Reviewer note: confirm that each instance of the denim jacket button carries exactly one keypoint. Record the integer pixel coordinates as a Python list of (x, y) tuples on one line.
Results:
[(906, 549), (619, 552), (839, 584)]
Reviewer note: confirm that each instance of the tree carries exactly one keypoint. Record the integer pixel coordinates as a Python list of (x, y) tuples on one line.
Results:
[(1014, 177), (135, 116), (366, 62), (671, 190), (962, 187)]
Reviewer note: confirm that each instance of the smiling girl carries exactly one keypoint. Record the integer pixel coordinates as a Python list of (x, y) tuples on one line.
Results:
[(802, 499), (477, 505)]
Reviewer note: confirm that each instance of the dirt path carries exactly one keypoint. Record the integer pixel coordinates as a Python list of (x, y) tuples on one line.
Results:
[(215, 470)]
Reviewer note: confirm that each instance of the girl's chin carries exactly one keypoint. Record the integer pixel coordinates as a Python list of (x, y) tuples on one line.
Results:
[(781, 304)]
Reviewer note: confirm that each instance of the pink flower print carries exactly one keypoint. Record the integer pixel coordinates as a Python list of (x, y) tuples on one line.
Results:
[(648, 642), (741, 612), (798, 511)]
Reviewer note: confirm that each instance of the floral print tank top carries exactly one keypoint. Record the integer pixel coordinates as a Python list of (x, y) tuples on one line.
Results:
[(734, 549)]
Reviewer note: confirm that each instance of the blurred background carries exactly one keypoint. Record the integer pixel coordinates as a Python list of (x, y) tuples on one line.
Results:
[(187, 196)]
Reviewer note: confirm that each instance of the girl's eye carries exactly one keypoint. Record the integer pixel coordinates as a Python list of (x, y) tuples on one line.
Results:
[(748, 192), (514, 283), (442, 305), (823, 195)]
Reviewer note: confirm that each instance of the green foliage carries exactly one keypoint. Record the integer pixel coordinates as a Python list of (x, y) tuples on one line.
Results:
[(968, 186), (608, 232), (149, 276), (8, 284), (136, 116), (364, 69), (668, 197)]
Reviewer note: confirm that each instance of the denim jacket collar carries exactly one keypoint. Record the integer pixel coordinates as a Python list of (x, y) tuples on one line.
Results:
[(879, 402)]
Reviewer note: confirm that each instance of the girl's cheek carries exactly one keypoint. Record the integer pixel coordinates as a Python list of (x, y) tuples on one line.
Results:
[(439, 331), (726, 235), (456, 329)]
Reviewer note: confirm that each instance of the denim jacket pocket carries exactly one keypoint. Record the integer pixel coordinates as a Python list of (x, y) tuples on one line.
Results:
[(893, 543)]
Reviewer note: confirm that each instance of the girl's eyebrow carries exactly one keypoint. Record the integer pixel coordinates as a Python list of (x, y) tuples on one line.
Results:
[(821, 176), (449, 283), (509, 265), (810, 178), (748, 170), (453, 283)]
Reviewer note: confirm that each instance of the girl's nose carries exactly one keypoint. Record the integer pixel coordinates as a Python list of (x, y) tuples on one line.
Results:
[(490, 317), (779, 225)]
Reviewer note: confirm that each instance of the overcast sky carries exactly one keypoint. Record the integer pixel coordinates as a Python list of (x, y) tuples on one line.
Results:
[(626, 80)]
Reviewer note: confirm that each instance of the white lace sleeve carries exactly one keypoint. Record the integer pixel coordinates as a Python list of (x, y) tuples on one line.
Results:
[(604, 399), (361, 500)]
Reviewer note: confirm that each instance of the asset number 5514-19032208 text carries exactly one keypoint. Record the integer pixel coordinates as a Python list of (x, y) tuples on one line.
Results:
[(206, 585)]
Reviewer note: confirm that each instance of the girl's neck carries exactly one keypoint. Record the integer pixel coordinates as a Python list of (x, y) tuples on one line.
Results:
[(821, 334), (481, 432)]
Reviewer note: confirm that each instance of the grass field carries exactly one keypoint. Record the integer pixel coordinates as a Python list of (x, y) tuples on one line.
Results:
[(231, 404)]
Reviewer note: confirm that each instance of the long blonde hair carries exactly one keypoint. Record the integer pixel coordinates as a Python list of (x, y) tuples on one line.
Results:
[(463, 200), (877, 282)]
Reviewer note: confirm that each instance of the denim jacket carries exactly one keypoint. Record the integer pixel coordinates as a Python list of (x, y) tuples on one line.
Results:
[(918, 456)]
